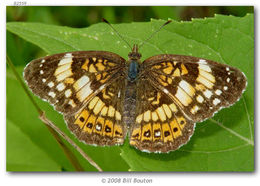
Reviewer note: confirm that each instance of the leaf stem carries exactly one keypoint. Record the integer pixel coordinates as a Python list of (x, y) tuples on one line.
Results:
[(54, 127)]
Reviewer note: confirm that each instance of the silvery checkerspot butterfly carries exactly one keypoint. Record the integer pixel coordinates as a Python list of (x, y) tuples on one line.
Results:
[(157, 102)]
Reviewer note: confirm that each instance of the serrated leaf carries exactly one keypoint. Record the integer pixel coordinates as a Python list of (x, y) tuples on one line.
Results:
[(223, 143)]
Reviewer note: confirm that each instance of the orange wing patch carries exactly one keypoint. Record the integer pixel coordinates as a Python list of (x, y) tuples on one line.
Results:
[(155, 129)]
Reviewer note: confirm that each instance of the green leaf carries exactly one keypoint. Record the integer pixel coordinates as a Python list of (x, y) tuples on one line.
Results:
[(24, 155), (222, 143)]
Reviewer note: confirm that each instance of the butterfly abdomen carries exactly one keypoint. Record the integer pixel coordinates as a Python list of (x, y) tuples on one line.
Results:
[(129, 103)]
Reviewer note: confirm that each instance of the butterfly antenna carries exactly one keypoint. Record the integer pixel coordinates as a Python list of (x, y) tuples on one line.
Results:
[(104, 20), (141, 44)]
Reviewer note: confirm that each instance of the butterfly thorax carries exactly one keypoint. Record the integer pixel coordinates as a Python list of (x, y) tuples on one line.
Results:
[(133, 70), (133, 61)]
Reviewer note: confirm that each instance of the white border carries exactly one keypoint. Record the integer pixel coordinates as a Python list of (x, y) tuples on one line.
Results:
[(75, 179), (137, 2)]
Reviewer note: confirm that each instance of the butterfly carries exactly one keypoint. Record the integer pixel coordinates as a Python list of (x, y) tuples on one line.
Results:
[(156, 103)]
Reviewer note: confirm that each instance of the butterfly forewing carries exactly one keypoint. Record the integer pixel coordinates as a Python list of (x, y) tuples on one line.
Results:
[(198, 87), (85, 87), (69, 80)]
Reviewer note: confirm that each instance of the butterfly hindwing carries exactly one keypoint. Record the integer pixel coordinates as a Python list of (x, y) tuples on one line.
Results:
[(197, 86), (100, 121), (160, 125), (69, 80)]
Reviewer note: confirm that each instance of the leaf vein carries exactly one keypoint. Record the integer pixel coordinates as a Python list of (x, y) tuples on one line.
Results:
[(250, 142)]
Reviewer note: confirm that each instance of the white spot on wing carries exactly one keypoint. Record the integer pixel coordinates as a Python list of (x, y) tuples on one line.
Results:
[(68, 55), (84, 92), (218, 92), (43, 80), (65, 61), (157, 133), (68, 93), (71, 102), (98, 127), (207, 93), (187, 87), (206, 74), (64, 75), (62, 68), (52, 94), (51, 84), (205, 68), (202, 61), (216, 101), (200, 99), (43, 60), (41, 71), (228, 80), (60, 87), (183, 97), (194, 109), (81, 82), (208, 82), (165, 91), (225, 87)]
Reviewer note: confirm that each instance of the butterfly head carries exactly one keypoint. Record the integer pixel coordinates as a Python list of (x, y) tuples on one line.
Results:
[(134, 55)]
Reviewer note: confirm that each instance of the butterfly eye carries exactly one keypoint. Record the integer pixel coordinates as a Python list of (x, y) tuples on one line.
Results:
[(134, 55)]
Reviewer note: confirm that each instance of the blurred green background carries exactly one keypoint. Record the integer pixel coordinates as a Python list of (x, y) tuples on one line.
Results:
[(21, 52)]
